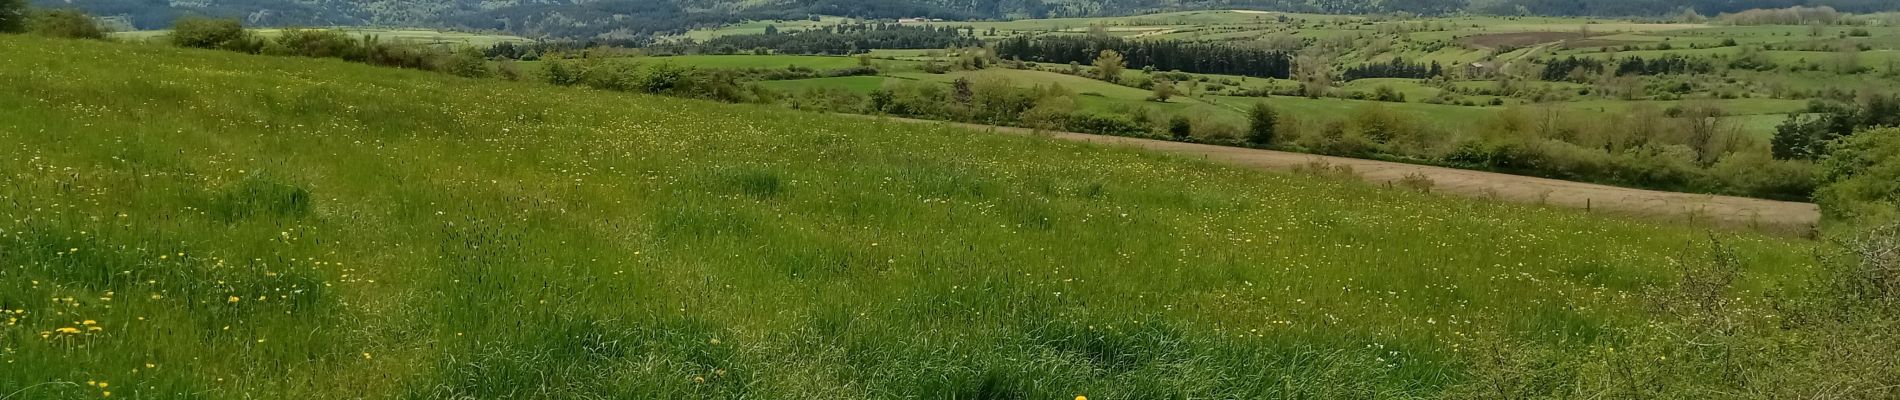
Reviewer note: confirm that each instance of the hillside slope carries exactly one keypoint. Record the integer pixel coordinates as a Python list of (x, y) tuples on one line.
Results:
[(588, 18), (227, 226)]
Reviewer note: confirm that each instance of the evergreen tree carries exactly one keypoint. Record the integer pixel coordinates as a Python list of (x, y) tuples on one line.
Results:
[(1261, 121)]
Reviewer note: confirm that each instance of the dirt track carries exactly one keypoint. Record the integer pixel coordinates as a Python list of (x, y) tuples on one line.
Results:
[(1778, 217)]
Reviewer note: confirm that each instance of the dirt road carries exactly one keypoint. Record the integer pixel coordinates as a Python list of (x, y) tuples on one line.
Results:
[(1778, 217)]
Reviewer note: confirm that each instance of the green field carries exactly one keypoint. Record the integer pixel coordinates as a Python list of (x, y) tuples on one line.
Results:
[(230, 226)]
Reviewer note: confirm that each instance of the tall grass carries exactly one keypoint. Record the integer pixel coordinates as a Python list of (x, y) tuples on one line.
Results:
[(184, 223)]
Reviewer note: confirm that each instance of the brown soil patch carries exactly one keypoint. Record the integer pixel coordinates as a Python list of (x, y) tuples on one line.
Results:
[(1520, 39)]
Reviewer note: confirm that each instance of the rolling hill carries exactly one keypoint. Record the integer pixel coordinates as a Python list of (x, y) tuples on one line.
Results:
[(232, 226), (634, 18)]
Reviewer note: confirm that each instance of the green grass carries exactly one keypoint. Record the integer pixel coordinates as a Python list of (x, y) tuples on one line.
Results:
[(255, 227)]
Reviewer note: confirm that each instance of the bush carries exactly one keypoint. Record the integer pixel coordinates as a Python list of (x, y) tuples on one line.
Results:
[(206, 33), (1104, 125), (1180, 128), (1216, 133), (71, 24), (468, 63), (1861, 178), (316, 44), (12, 16), (1418, 182), (1757, 174)]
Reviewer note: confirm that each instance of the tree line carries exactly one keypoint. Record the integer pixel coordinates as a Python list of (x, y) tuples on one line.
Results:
[(1580, 69), (1166, 55), (1398, 67)]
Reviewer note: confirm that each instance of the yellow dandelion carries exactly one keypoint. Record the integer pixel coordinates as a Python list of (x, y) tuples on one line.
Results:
[(1081, 397), (699, 379), (233, 299)]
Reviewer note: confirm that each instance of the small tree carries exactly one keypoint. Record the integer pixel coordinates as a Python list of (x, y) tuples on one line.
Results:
[(1261, 122), (12, 16), (72, 24), (1163, 91), (1109, 65), (1181, 128)]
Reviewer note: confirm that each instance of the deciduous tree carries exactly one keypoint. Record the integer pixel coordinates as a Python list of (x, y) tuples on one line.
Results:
[(1261, 122), (1109, 65)]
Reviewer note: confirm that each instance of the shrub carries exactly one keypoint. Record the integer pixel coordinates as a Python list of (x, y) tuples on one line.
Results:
[(468, 63), (1180, 128), (1104, 125), (316, 43), (206, 33), (1757, 174), (1418, 182), (71, 24), (12, 16), (1861, 178), (1216, 133)]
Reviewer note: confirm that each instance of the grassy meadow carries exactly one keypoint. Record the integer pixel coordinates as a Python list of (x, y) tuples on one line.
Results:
[(232, 226)]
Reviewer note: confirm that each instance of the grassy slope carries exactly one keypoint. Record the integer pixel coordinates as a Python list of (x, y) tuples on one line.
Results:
[(253, 227)]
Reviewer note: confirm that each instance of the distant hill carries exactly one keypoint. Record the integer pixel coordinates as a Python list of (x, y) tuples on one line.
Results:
[(630, 18)]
